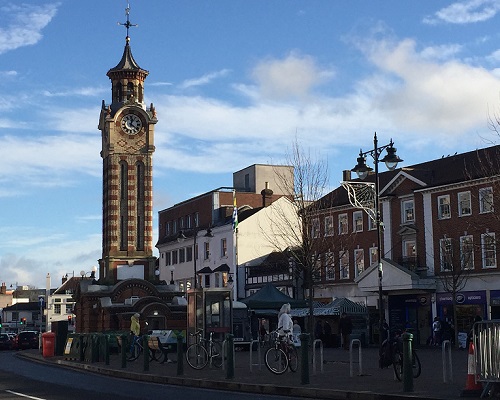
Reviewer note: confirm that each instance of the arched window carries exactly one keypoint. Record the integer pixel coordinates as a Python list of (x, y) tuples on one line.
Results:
[(140, 179), (119, 92), (123, 205), (130, 90)]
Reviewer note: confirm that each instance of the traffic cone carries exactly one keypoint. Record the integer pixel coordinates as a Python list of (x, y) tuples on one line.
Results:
[(472, 387)]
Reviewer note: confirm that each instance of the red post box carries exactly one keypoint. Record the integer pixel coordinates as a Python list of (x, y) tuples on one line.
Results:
[(48, 344)]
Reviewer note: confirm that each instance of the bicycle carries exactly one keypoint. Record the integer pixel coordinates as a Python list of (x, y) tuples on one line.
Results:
[(395, 348), (135, 348), (282, 355), (203, 351)]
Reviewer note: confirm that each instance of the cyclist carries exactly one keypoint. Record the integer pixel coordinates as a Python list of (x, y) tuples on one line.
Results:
[(135, 328), (285, 322)]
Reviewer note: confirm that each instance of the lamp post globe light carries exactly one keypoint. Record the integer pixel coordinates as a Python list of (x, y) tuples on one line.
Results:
[(391, 161)]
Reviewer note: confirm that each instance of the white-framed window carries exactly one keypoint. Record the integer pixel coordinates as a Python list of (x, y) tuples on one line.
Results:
[(467, 252), (444, 211), (408, 211), (373, 256), (174, 257), (409, 248), (329, 229), (489, 250), (217, 279), (446, 254), (359, 261), (174, 226), (486, 200), (182, 255), (357, 221), (223, 248), (189, 254), (371, 224), (168, 258), (57, 309), (316, 273), (329, 266), (168, 227), (464, 204), (344, 264), (69, 308), (196, 220), (343, 224), (315, 228), (206, 252)]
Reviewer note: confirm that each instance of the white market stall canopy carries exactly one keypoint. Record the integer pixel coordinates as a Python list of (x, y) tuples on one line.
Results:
[(336, 307)]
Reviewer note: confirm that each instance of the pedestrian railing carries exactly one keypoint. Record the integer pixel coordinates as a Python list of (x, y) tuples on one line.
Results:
[(259, 358), (486, 339), (320, 342), (351, 358), (447, 363)]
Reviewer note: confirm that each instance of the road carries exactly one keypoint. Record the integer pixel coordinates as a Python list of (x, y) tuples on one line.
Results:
[(22, 379)]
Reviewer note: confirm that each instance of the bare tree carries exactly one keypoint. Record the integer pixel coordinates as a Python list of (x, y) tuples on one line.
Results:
[(311, 251)]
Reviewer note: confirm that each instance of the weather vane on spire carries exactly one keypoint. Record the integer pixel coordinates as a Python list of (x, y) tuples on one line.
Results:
[(127, 24)]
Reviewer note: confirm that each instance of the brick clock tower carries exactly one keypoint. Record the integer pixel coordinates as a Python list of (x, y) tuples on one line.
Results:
[(127, 128)]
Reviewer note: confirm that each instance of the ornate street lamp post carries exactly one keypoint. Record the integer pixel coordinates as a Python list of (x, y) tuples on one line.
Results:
[(391, 161)]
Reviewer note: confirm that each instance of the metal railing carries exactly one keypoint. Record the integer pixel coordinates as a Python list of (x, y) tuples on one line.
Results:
[(486, 339)]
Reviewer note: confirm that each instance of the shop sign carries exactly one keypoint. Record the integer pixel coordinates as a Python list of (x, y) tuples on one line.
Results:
[(477, 297)]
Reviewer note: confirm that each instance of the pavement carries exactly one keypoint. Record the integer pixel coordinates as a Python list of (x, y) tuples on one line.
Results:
[(341, 378)]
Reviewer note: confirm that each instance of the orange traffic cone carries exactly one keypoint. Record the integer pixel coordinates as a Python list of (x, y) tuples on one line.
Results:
[(472, 387)]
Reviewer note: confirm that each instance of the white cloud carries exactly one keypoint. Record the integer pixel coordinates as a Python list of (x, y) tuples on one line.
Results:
[(465, 12), (22, 24), (292, 77), (203, 80)]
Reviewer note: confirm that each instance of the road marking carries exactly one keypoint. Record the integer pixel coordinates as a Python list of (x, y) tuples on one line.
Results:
[(24, 395)]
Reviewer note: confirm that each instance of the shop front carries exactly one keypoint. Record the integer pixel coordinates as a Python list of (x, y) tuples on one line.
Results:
[(411, 312), (469, 305)]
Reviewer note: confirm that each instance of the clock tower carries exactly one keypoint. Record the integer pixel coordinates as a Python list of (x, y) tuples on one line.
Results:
[(127, 129)]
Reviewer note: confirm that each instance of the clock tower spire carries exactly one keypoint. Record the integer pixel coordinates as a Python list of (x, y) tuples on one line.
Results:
[(127, 130)]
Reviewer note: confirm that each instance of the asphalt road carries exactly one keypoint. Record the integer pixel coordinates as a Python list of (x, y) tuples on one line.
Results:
[(23, 379)]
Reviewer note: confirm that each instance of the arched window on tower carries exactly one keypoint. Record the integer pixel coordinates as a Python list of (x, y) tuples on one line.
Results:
[(119, 92), (141, 217), (141, 93), (130, 90), (123, 205)]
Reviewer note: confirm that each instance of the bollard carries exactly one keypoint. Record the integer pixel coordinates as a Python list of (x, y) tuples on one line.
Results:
[(106, 349), (80, 348), (180, 355), (145, 352), (407, 363), (230, 356), (304, 358), (124, 350)]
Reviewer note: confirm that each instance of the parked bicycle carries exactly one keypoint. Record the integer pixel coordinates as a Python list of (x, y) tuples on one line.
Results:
[(282, 354), (135, 348), (204, 351), (391, 352)]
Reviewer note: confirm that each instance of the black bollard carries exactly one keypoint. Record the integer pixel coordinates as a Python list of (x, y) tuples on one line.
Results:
[(145, 351), (230, 356), (124, 350), (407, 362), (304, 358), (180, 355), (106, 349)]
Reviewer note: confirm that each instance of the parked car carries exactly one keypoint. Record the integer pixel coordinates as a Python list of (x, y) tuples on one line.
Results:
[(27, 340), (5, 341)]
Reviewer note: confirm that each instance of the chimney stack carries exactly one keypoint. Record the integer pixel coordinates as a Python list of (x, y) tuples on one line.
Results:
[(346, 175), (267, 196)]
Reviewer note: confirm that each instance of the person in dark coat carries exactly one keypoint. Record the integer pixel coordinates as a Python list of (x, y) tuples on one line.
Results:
[(345, 329)]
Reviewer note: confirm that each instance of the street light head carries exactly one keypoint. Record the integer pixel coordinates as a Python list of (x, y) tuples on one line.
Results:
[(391, 160), (361, 168), (209, 233), (181, 237)]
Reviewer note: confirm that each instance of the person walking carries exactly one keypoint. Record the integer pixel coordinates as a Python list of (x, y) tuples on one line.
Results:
[(436, 331), (345, 329), (135, 325)]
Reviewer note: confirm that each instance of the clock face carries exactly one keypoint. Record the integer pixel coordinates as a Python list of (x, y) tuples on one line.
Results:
[(131, 124)]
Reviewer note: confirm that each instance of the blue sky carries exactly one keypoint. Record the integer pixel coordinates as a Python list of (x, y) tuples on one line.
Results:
[(233, 82)]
